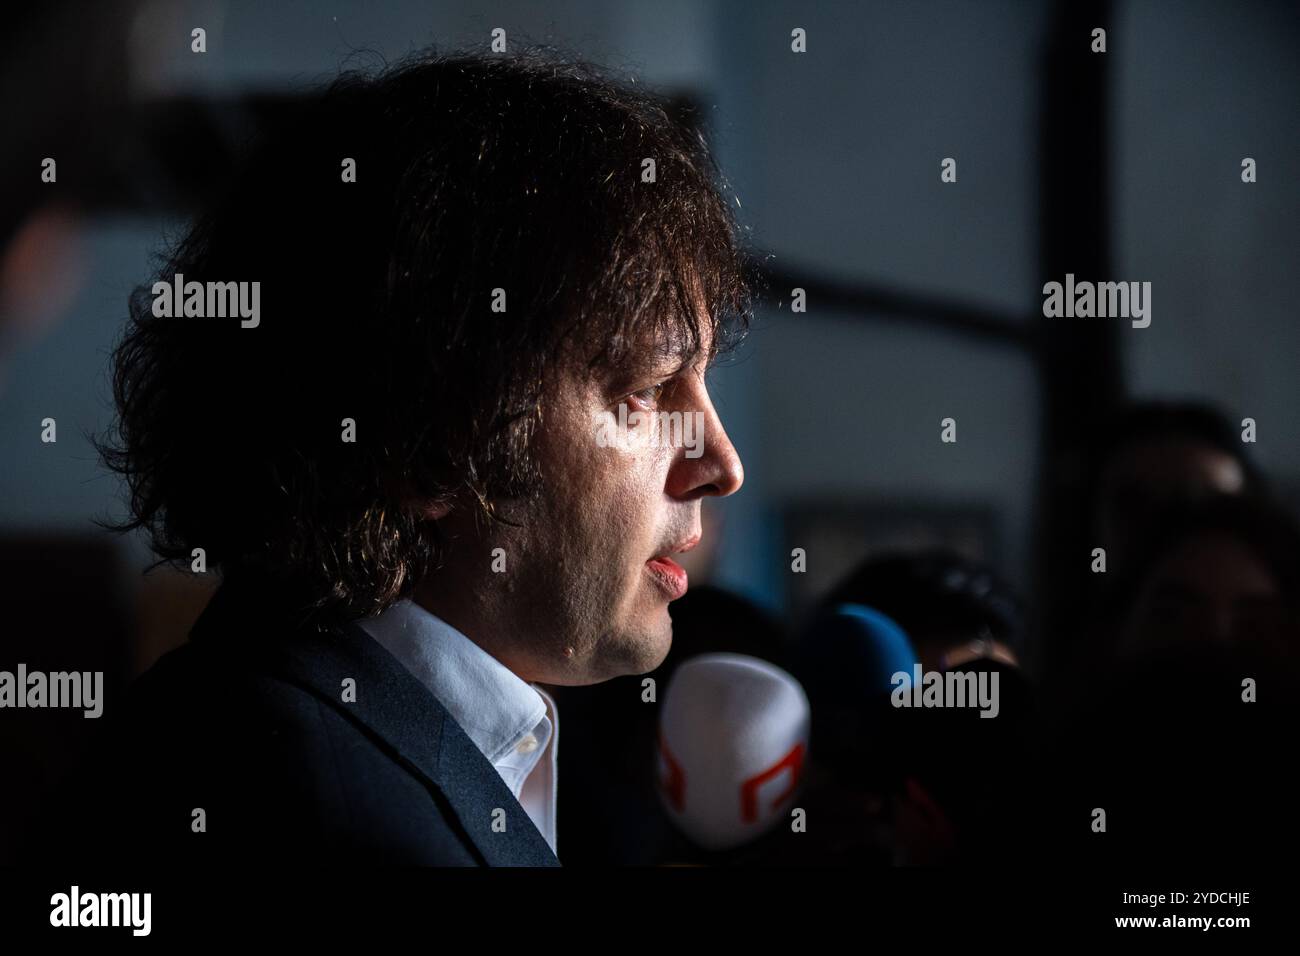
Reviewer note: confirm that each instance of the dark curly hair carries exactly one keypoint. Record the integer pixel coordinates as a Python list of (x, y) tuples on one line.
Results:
[(520, 172)]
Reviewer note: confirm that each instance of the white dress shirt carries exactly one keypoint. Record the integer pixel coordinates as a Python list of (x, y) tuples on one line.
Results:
[(512, 722)]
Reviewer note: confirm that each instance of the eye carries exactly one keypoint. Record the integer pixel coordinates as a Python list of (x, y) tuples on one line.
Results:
[(651, 395)]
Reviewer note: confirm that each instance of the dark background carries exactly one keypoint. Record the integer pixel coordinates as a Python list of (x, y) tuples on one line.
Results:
[(924, 298)]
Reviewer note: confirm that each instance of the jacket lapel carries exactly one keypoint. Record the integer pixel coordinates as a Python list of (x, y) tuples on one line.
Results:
[(319, 652)]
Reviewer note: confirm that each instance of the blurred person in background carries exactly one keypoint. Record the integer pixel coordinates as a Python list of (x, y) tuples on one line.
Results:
[(952, 608), (920, 786), (1153, 455), (1225, 571), (1171, 728)]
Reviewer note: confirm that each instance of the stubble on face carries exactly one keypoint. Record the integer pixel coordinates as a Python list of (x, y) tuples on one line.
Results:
[(602, 512), (574, 604)]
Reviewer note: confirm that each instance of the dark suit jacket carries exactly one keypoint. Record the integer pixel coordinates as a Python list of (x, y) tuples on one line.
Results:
[(249, 722)]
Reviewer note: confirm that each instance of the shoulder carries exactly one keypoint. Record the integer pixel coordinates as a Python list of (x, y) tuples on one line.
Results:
[(213, 755)]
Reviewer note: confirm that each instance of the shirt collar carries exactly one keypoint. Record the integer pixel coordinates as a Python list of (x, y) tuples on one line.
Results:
[(494, 706)]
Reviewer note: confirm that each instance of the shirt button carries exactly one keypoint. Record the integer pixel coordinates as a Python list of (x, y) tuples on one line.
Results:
[(527, 745)]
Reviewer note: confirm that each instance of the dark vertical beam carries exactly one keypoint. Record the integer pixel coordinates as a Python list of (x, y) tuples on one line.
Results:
[(1079, 359)]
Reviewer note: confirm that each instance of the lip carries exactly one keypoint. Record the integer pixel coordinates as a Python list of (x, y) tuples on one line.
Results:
[(669, 576), (686, 544)]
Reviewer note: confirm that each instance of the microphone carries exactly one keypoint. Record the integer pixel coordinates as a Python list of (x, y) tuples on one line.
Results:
[(862, 645), (847, 661), (732, 747)]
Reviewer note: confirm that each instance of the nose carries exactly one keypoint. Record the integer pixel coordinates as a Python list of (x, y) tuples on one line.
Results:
[(717, 471)]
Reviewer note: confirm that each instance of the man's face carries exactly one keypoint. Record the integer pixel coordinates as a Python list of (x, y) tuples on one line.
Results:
[(585, 579), (1156, 473), (1211, 589)]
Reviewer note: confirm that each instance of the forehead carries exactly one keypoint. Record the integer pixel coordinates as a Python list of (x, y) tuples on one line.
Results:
[(677, 346), (662, 346), (1179, 463)]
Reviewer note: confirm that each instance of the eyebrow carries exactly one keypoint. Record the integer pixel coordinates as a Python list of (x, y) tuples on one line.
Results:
[(684, 359), (668, 355), (658, 363)]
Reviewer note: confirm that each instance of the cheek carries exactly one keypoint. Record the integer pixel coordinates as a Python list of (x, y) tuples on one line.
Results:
[(604, 500), (631, 478), (620, 499), (610, 525)]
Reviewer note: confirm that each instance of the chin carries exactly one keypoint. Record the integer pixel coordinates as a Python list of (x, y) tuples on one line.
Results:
[(661, 650), (654, 641)]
